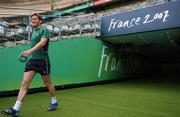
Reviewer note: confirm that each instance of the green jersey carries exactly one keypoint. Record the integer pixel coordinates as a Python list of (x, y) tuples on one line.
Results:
[(36, 37)]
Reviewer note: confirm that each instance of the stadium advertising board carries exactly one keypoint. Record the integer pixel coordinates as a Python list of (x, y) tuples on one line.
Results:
[(157, 17)]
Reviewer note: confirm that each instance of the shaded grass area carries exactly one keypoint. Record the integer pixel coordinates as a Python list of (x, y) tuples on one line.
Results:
[(152, 97)]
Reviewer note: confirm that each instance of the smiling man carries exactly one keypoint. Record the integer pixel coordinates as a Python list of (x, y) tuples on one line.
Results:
[(38, 62)]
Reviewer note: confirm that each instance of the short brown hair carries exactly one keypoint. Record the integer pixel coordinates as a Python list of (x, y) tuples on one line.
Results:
[(38, 15)]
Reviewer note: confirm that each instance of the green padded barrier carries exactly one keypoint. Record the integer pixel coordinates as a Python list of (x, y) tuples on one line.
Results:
[(73, 61)]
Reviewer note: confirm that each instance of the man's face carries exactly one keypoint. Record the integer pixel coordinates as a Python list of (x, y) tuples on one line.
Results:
[(35, 21)]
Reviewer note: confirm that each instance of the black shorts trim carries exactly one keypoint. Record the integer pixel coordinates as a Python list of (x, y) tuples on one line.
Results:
[(41, 66)]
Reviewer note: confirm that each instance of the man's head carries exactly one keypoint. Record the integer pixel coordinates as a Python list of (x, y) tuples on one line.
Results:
[(36, 20)]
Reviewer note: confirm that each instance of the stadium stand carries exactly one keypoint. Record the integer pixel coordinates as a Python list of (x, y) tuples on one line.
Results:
[(74, 24)]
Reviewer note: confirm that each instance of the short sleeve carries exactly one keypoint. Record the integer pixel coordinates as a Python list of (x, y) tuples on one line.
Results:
[(45, 33)]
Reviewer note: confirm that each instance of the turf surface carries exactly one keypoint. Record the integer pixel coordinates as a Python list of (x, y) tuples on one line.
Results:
[(153, 97)]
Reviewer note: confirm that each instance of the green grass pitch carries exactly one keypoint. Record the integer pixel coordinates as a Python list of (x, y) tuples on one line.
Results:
[(153, 97)]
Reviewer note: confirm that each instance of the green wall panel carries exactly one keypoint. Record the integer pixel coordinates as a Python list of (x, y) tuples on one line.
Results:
[(79, 60)]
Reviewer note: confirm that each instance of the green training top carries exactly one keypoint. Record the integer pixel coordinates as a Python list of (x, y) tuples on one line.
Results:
[(36, 37)]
